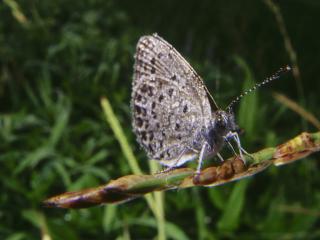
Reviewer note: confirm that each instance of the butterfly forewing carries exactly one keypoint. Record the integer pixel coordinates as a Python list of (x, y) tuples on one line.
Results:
[(169, 100)]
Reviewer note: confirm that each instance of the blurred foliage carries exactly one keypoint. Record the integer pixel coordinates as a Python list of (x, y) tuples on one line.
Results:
[(58, 58)]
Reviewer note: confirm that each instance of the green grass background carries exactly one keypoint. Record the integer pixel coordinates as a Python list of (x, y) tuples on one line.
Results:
[(58, 58)]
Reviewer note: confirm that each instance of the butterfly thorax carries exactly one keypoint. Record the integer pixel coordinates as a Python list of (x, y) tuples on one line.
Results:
[(214, 134)]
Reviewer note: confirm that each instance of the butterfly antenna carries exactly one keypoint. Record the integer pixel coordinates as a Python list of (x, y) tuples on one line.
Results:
[(275, 76)]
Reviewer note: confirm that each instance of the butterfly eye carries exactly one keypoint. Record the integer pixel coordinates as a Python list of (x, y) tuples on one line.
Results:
[(221, 122)]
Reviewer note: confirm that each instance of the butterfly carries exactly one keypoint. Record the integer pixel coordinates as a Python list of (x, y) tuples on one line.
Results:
[(174, 117)]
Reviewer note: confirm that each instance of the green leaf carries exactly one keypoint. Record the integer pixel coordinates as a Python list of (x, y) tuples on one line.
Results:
[(17, 236), (172, 230), (109, 217), (248, 105), (231, 216), (216, 197)]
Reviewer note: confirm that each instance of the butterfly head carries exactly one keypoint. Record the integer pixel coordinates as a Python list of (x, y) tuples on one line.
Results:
[(223, 122)]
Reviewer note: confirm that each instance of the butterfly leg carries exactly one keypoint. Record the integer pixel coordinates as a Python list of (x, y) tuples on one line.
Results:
[(230, 145), (170, 168), (176, 163), (201, 157), (235, 137), (220, 157)]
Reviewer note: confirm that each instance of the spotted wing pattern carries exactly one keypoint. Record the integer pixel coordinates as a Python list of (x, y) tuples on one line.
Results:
[(169, 100)]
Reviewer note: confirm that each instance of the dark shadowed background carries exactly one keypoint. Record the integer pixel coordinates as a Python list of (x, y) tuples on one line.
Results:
[(58, 58)]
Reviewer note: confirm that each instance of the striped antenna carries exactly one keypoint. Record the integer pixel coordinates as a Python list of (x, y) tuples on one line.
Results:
[(275, 76)]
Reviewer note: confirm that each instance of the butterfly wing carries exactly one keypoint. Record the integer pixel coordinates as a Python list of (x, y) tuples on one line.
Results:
[(169, 101)]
